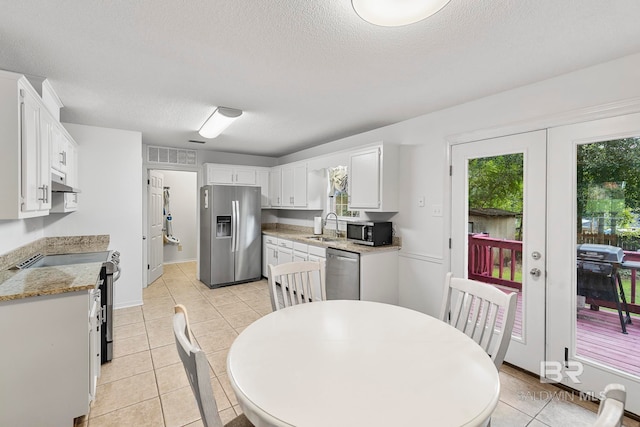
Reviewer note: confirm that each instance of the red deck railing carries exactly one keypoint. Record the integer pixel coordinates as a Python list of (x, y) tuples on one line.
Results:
[(499, 261)]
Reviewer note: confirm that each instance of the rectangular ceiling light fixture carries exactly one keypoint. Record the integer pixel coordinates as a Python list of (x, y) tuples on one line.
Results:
[(221, 118)]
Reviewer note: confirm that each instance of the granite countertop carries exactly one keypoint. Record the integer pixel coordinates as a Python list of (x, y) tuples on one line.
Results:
[(30, 282), (303, 236)]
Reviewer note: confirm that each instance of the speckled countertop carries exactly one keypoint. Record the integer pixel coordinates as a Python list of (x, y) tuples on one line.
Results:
[(302, 235), (18, 284)]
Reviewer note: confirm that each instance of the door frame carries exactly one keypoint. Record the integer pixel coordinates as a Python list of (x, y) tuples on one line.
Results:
[(602, 111), (593, 375), (146, 167)]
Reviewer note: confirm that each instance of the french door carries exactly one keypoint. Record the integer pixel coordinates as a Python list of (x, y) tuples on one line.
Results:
[(498, 229), (593, 171)]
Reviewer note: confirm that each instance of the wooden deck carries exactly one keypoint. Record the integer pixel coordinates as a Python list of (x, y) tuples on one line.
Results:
[(599, 338)]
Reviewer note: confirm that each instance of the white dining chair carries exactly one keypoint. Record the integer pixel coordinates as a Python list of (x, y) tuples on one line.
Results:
[(298, 282), (196, 367), (475, 308), (611, 410)]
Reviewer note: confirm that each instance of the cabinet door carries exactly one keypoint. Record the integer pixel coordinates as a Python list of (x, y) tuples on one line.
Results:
[(262, 179), (245, 177), (300, 186), (287, 187), (299, 256), (275, 188), (219, 175), (316, 284), (364, 179), (272, 255), (72, 164), (285, 255), (36, 179)]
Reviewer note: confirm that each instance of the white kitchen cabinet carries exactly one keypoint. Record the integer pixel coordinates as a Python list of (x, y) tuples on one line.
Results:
[(64, 154), (317, 253), (229, 174), (45, 359), (294, 185), (262, 179), (379, 276), (275, 186), (300, 251), (373, 179), (24, 163), (269, 253), (64, 202), (285, 251)]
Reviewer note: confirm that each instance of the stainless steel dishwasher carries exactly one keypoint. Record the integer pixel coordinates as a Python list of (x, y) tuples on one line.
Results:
[(343, 274)]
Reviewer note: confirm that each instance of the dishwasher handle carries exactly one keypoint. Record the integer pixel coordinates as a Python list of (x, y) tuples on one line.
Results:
[(343, 258)]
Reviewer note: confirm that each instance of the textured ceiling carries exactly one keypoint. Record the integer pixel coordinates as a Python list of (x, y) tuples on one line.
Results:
[(304, 71)]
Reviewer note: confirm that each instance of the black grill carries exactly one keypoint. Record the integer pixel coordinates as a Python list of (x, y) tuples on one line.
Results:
[(599, 279)]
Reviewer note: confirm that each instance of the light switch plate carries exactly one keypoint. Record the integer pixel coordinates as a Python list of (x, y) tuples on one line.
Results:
[(421, 202)]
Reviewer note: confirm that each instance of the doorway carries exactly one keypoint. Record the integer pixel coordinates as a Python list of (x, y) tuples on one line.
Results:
[(593, 212), (172, 200), (580, 184), (504, 178)]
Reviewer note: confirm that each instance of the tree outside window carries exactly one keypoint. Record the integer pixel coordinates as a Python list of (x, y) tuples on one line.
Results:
[(338, 180)]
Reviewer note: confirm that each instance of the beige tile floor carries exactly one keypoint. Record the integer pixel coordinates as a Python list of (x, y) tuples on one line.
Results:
[(145, 384)]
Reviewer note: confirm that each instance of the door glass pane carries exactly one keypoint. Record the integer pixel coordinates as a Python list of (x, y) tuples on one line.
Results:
[(495, 224), (608, 257)]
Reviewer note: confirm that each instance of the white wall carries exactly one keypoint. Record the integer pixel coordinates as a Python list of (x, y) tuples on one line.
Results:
[(19, 232), (424, 158), (109, 168), (183, 202)]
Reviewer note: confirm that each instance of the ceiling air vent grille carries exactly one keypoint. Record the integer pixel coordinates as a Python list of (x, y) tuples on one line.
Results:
[(171, 156)]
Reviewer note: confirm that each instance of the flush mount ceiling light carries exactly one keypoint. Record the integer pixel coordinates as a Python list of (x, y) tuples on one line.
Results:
[(221, 118), (395, 13)]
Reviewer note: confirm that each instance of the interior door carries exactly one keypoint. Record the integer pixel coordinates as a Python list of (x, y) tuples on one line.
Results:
[(592, 175), (498, 245), (156, 224)]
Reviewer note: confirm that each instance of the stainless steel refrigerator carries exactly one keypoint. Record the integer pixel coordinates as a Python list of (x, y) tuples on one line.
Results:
[(230, 230)]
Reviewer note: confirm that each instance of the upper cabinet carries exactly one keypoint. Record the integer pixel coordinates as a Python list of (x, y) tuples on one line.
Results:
[(29, 140), (24, 164), (275, 187), (373, 179), (294, 186), (229, 174), (63, 153)]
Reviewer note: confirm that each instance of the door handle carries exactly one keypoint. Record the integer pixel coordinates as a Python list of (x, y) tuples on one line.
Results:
[(535, 272)]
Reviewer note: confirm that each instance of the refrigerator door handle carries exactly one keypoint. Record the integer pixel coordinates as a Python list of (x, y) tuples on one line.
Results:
[(237, 221), (234, 225)]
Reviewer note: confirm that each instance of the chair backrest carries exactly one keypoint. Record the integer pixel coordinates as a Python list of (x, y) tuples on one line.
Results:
[(197, 368), (483, 312), (611, 410), (300, 282)]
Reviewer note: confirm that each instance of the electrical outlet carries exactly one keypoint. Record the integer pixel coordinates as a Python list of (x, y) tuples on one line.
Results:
[(179, 248), (436, 210)]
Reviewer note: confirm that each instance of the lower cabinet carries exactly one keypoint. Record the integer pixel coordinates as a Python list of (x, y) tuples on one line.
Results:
[(45, 360), (379, 276)]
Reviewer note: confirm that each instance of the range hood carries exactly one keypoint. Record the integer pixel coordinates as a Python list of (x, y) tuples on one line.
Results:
[(59, 183)]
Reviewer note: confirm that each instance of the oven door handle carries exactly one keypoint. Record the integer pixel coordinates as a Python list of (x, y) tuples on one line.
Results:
[(118, 273)]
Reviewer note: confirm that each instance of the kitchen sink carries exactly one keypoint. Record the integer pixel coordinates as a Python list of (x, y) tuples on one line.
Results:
[(322, 238)]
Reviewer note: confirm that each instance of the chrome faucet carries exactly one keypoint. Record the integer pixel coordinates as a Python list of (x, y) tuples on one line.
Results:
[(327, 217)]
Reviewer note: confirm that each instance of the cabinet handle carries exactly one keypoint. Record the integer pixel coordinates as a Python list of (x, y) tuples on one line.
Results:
[(45, 194), (291, 200)]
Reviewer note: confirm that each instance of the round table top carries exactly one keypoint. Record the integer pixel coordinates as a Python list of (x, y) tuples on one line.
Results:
[(357, 363)]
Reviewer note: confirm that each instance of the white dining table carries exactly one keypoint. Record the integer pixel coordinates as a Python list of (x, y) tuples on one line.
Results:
[(358, 363)]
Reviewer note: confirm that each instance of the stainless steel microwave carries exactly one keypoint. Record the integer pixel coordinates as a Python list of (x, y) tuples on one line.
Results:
[(373, 233)]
